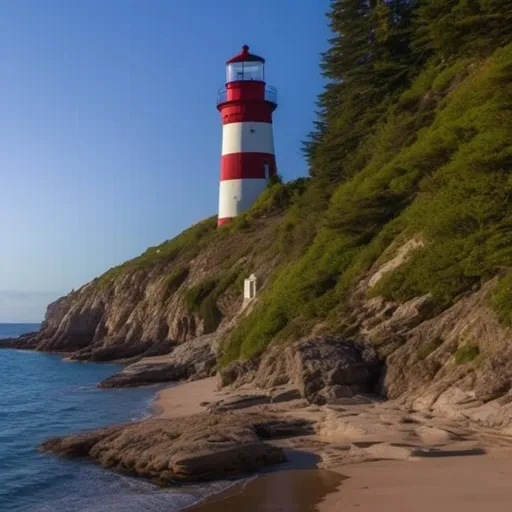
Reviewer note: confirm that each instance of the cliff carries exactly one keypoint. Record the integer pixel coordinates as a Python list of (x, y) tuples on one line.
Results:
[(183, 289), (398, 244)]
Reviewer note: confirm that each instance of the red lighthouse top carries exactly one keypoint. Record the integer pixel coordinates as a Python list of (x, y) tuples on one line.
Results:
[(245, 66), (245, 56), (246, 89)]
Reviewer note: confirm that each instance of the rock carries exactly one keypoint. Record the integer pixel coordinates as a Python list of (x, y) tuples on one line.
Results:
[(24, 342), (124, 351), (388, 451), (238, 402), (145, 373), (238, 373), (423, 369), (190, 449), (274, 429), (331, 394), (321, 368), (433, 435), (194, 359), (286, 396)]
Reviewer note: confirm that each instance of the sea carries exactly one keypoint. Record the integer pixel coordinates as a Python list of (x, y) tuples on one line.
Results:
[(41, 395)]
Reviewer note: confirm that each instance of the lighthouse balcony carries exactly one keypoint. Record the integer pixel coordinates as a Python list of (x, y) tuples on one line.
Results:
[(224, 94)]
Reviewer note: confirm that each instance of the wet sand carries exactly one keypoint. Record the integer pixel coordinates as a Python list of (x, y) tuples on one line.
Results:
[(296, 490), (447, 484)]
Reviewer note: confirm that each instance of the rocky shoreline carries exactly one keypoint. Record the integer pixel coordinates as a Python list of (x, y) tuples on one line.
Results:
[(205, 433), (191, 449)]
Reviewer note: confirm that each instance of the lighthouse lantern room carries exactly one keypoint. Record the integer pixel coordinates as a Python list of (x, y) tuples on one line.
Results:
[(246, 104)]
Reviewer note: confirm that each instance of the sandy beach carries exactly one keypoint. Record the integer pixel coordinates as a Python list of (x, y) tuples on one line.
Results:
[(452, 474), (465, 484), (185, 399)]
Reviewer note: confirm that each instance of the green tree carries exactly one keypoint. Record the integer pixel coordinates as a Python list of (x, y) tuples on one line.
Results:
[(447, 29), (368, 62)]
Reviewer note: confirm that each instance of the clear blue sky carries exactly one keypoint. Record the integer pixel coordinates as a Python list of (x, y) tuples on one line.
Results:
[(109, 135)]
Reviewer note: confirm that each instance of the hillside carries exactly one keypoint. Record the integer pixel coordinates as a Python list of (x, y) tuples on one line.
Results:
[(400, 239)]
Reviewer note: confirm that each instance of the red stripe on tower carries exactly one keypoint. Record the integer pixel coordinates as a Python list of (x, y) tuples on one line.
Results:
[(246, 104)]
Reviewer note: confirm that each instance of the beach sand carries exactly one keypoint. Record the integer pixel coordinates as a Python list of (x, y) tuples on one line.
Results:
[(314, 480), (290, 490), (185, 399), (452, 484)]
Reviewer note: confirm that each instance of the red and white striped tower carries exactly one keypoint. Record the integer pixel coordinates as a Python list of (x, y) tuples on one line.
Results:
[(246, 104)]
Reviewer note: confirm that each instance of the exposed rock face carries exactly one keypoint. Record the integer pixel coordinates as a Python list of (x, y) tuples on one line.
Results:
[(195, 359), (25, 341), (134, 312), (322, 368), (196, 448), (425, 373), (407, 351)]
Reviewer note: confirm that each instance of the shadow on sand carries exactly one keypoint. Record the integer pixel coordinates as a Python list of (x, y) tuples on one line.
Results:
[(295, 486)]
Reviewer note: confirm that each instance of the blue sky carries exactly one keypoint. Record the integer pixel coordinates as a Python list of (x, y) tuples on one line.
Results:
[(109, 135)]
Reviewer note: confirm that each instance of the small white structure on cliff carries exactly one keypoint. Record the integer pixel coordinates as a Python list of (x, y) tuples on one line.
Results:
[(250, 287)]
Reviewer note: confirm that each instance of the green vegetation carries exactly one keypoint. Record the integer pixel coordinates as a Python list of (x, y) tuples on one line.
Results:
[(203, 298), (186, 245), (175, 279), (467, 353), (501, 300), (413, 139), (425, 350)]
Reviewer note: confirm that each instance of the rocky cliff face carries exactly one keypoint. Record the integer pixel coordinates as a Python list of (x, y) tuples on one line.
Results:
[(457, 360), (154, 303)]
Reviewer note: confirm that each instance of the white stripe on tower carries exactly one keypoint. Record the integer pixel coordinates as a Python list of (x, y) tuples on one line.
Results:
[(237, 196), (247, 137)]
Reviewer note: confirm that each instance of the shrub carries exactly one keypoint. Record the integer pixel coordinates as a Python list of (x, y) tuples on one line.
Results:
[(501, 300), (173, 280), (425, 350), (467, 353), (203, 297), (195, 295), (186, 245)]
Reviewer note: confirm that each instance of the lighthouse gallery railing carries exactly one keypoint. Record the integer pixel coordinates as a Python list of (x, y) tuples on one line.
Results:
[(270, 95)]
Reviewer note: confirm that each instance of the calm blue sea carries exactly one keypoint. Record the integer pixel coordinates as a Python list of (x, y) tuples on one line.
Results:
[(41, 396)]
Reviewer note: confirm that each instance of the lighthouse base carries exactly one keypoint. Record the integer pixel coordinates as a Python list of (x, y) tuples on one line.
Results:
[(237, 196)]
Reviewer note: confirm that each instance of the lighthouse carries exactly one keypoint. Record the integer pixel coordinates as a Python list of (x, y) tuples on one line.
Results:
[(245, 104)]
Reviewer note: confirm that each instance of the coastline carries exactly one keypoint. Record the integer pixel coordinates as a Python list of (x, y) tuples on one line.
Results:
[(42, 397), (441, 477), (305, 484)]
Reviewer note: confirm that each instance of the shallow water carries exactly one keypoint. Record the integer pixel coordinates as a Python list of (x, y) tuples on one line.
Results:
[(42, 396)]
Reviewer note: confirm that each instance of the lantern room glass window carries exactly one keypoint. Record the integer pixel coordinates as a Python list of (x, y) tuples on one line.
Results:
[(248, 70)]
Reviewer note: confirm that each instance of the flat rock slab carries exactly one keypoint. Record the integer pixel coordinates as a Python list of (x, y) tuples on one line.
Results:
[(194, 359), (190, 449), (238, 402), (143, 374)]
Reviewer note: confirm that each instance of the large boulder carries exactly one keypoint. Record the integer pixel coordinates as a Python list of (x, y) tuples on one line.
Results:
[(323, 369), (194, 448)]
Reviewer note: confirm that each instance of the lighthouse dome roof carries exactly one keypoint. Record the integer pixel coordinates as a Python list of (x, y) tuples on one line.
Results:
[(245, 56)]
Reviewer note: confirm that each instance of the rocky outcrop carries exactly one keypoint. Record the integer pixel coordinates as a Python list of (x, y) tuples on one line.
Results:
[(145, 315), (140, 309), (190, 449), (23, 342), (195, 359), (323, 369)]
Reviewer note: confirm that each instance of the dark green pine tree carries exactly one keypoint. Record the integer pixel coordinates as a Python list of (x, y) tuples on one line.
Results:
[(368, 62), (449, 29)]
